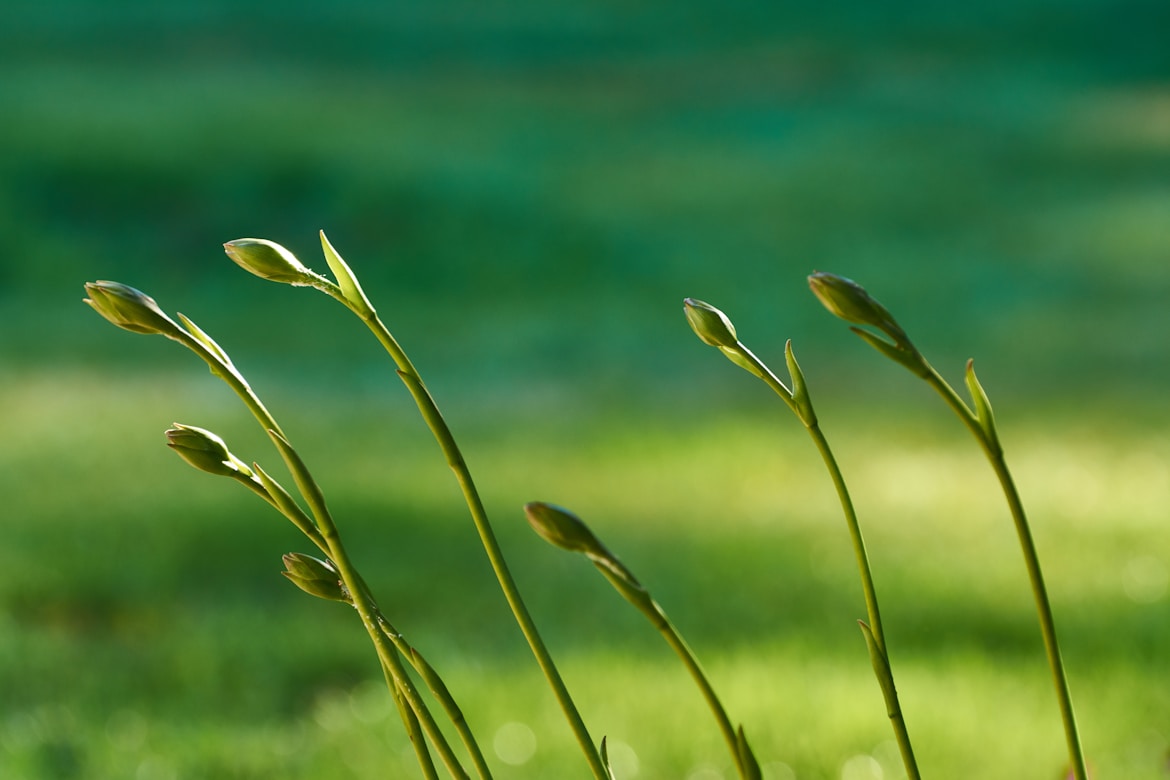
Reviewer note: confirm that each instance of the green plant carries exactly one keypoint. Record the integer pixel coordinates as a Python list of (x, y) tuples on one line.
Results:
[(336, 578), (714, 328), (849, 301)]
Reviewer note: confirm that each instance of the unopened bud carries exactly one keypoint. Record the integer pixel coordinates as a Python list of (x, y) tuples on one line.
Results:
[(205, 451), (316, 577), (561, 528), (269, 260), (848, 300), (129, 308), (710, 324)]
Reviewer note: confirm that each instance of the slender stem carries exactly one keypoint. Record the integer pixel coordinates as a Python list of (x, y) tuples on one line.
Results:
[(413, 732), (441, 693), (446, 440), (369, 615), (680, 647), (392, 663), (893, 706), (890, 693), (863, 567), (1032, 564)]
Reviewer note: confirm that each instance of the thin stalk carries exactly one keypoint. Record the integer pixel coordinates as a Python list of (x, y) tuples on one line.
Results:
[(889, 691), (369, 611), (441, 693), (1031, 562), (565, 530), (691, 662), (446, 440), (392, 663), (413, 732), (893, 706)]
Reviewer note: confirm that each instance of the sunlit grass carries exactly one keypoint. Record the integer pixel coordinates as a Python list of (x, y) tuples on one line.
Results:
[(136, 637)]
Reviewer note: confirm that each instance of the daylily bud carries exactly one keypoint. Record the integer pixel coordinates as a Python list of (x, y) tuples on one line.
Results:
[(848, 300), (561, 528), (709, 324), (205, 451), (316, 577), (129, 308), (269, 260)]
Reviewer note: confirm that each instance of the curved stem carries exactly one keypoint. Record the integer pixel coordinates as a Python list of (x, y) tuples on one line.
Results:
[(893, 706), (684, 652), (413, 732), (391, 662), (889, 691), (446, 440), (1031, 563), (441, 693)]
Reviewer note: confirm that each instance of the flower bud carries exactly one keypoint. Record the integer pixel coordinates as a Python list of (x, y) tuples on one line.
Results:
[(205, 451), (269, 260), (561, 528), (710, 324), (129, 308), (848, 300), (316, 577)]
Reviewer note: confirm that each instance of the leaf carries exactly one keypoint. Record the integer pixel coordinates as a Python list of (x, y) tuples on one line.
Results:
[(206, 340), (911, 360), (881, 669), (747, 759), (982, 407), (800, 395), (346, 280), (605, 760)]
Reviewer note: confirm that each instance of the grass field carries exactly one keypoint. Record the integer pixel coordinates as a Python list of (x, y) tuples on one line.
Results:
[(528, 191)]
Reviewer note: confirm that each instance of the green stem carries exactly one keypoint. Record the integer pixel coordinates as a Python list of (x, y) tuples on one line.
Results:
[(368, 611), (441, 693), (684, 652), (1031, 562), (893, 706), (392, 663), (413, 732), (442, 433), (889, 691)]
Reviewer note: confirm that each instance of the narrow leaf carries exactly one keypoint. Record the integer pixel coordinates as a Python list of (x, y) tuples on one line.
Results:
[(288, 507), (205, 340), (800, 395), (346, 280), (737, 357), (911, 360), (605, 760), (982, 407), (881, 669), (747, 759)]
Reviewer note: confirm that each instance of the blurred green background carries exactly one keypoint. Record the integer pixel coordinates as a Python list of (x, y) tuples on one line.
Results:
[(528, 190)]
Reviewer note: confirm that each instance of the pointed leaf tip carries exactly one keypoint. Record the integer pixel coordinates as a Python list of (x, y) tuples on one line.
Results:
[(345, 279)]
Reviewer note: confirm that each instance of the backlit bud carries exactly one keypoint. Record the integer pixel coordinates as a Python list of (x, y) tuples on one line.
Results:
[(129, 308), (848, 300), (710, 324), (205, 451), (269, 260)]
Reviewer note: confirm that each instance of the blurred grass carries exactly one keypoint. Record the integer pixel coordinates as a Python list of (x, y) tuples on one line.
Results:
[(130, 610), (527, 191)]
